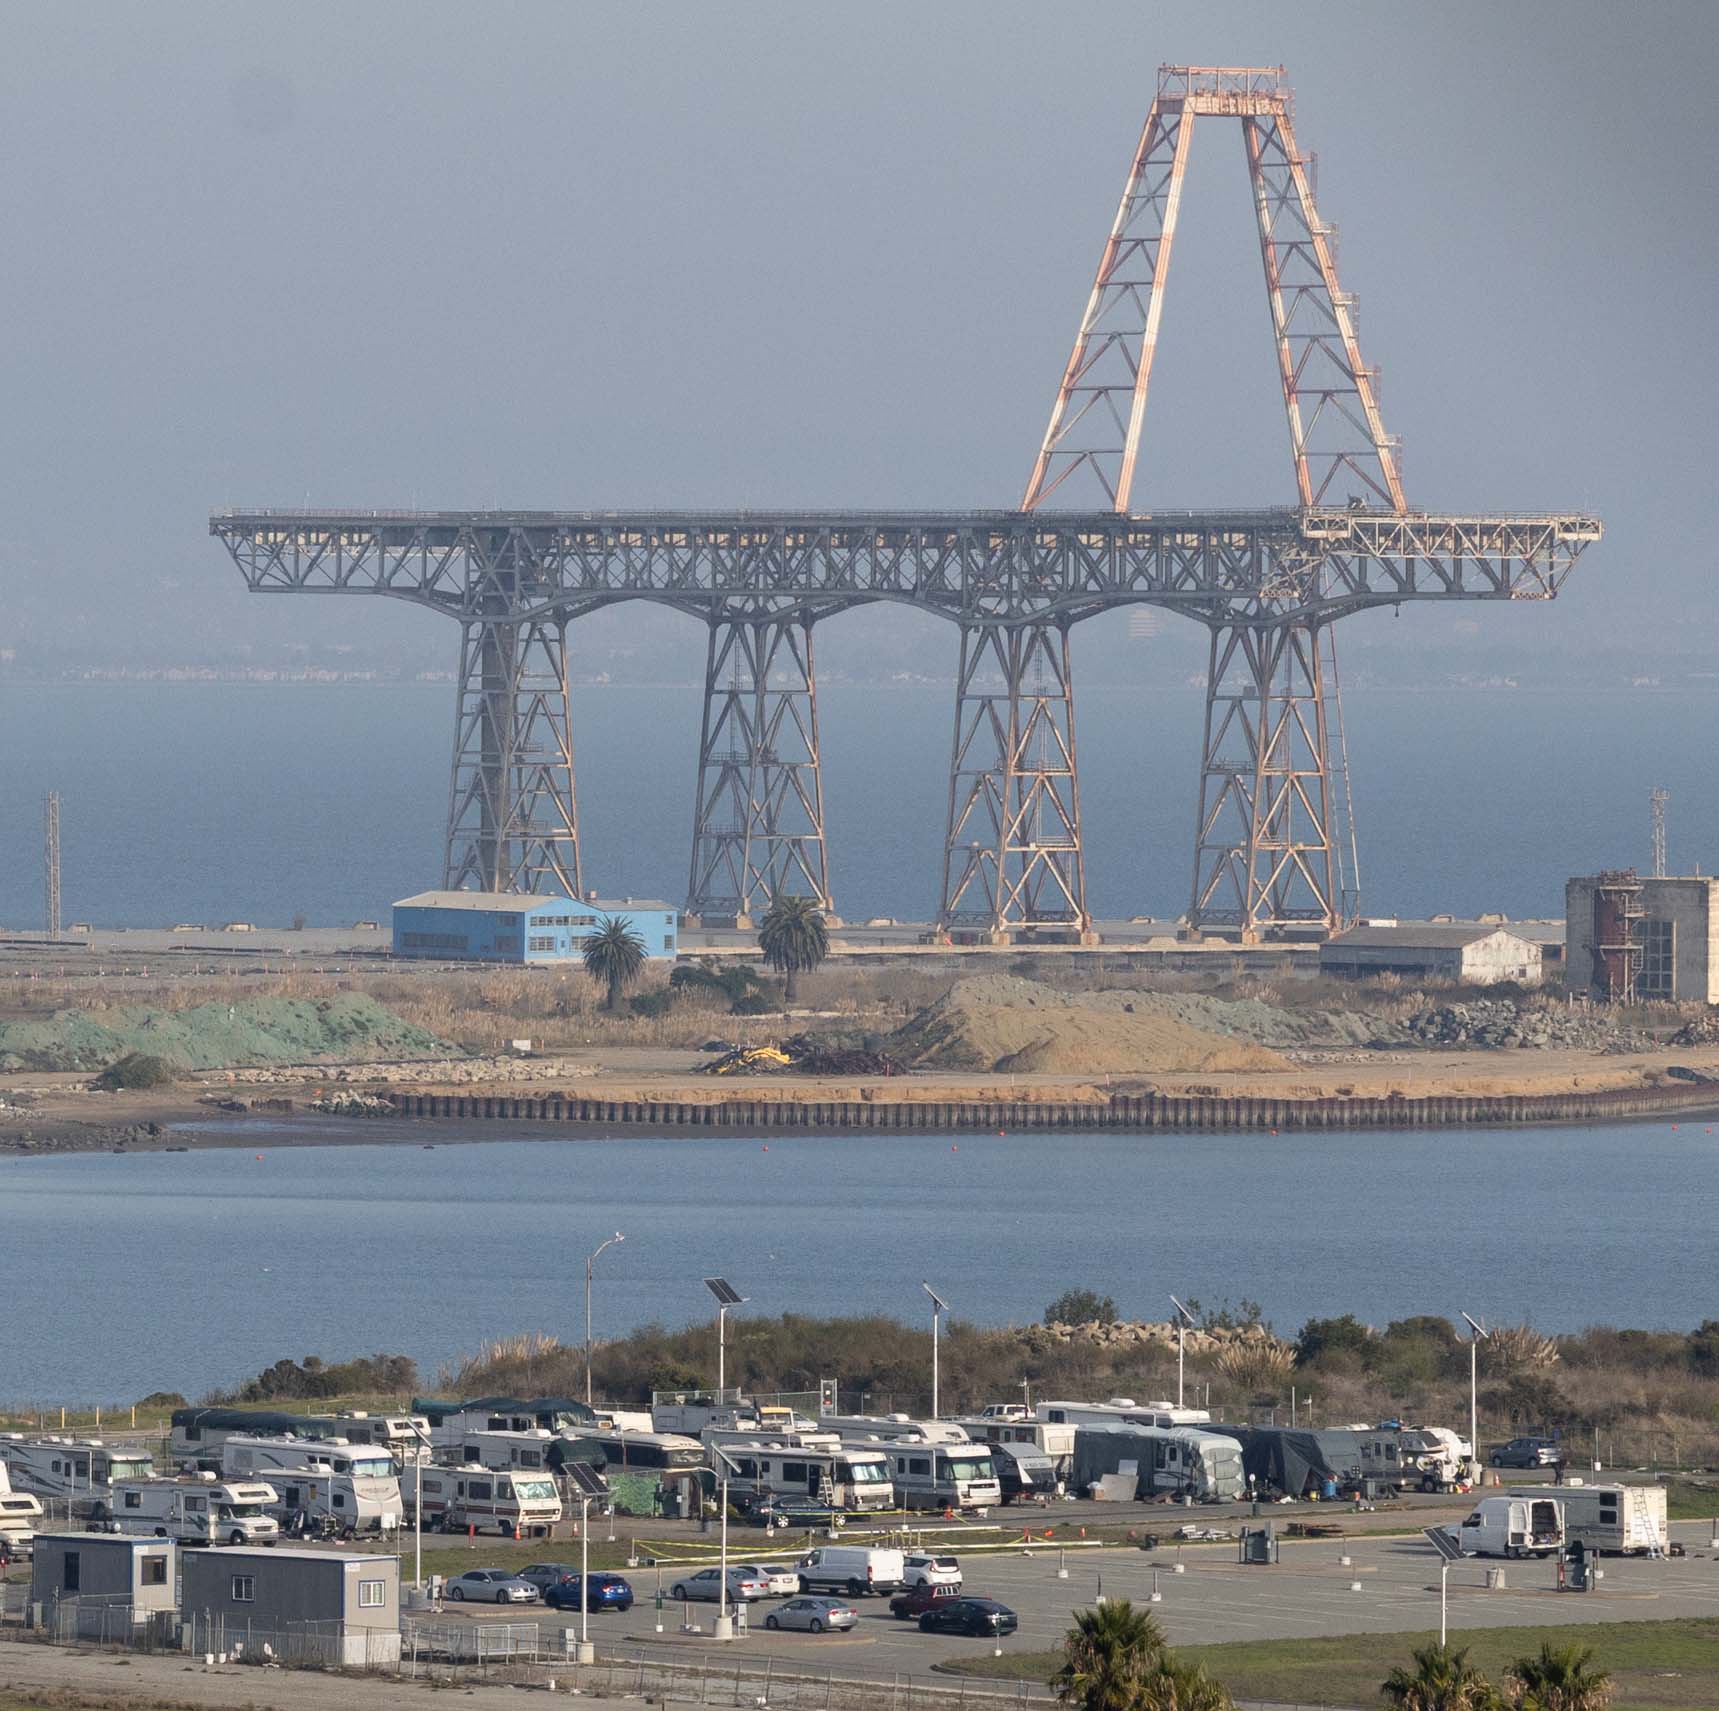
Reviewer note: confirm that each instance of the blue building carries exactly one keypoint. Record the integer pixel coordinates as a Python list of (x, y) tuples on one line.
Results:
[(494, 926)]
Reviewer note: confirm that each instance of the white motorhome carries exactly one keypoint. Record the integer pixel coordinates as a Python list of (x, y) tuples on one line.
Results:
[(1423, 1458), (449, 1422), (404, 1436), (354, 1485), (1121, 1411), (201, 1510), (942, 1476), (1621, 1520), (77, 1469), (19, 1513), (695, 1412), (514, 1504), (843, 1475), (893, 1428), (1512, 1527)]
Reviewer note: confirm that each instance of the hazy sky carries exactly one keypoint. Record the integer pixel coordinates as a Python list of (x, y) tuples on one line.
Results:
[(803, 254)]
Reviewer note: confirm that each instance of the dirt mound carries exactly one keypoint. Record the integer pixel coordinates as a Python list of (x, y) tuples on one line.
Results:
[(353, 1029), (1003, 1025)]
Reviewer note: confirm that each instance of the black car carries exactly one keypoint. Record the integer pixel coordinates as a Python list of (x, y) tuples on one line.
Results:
[(607, 1592), (968, 1616), (797, 1512)]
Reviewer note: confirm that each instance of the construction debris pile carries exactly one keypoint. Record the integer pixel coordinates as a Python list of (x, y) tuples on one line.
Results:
[(801, 1055), (1492, 1024)]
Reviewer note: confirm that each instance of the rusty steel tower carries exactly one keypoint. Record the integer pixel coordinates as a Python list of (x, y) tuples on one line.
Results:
[(1273, 843)]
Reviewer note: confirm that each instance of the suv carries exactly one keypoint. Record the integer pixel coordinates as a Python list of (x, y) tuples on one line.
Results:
[(1526, 1452), (918, 1598), (932, 1570)]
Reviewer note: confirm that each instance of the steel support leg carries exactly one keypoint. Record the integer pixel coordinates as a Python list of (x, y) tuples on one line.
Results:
[(513, 821), (1267, 857), (758, 823), (1012, 862)]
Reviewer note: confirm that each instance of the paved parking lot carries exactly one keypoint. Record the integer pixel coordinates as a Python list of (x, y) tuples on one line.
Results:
[(1214, 1599)]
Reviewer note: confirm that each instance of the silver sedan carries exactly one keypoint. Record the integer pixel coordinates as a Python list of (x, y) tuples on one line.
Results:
[(491, 1586), (812, 1615)]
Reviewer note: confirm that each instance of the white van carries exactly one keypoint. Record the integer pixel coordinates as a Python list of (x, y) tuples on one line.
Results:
[(853, 1569), (1512, 1527)]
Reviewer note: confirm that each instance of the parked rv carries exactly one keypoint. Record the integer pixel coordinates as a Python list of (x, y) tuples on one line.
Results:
[(20, 1512), (943, 1476), (1512, 1527), (843, 1476), (1121, 1411), (196, 1434), (892, 1429), (513, 1504), (201, 1510), (79, 1470), (450, 1421), (1183, 1461), (354, 1486), (1414, 1458), (1024, 1475), (404, 1436), (1621, 1520)]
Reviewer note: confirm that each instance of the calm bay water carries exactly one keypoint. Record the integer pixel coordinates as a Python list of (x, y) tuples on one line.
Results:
[(223, 802), (188, 1270)]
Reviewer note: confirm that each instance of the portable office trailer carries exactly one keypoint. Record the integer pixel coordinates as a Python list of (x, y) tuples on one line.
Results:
[(1621, 1520), (843, 1476), (354, 1485), (71, 1468), (94, 1586), (336, 1609), (198, 1510), (1179, 1460)]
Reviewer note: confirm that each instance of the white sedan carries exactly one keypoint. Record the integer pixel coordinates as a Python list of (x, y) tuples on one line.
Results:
[(782, 1581), (705, 1584)]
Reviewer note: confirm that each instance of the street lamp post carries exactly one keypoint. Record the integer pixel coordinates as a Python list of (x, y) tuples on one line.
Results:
[(726, 1296), (724, 1622), (1480, 1334), (1183, 1320), (938, 1307), (590, 1261), (418, 1507)]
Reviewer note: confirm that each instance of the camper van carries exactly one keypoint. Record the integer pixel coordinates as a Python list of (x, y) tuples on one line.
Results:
[(892, 1429), (77, 1469), (196, 1434), (844, 1476), (1121, 1411), (355, 1486), (1512, 1527), (450, 1421), (487, 1499), (941, 1476), (1621, 1520), (20, 1511), (201, 1510)]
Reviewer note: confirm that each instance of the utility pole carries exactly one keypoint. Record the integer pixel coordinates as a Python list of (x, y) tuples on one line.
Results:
[(1659, 798), (51, 860)]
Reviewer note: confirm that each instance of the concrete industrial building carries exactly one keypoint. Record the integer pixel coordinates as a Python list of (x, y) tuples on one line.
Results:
[(1632, 938), (496, 926), (1478, 953), (339, 1609)]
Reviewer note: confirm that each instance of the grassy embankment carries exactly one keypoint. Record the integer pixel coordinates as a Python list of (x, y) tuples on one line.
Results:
[(1657, 1666)]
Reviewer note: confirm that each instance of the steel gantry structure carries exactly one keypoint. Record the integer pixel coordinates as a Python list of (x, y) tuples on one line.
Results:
[(1268, 585)]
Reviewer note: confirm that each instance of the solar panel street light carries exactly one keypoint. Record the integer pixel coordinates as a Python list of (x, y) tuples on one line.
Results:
[(1481, 1334), (938, 1306), (1183, 1320), (726, 1296)]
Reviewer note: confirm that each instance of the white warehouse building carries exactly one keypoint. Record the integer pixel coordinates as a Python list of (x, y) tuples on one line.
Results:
[(1476, 953)]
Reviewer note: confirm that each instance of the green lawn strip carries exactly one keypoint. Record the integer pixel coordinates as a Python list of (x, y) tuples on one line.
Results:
[(1658, 1666)]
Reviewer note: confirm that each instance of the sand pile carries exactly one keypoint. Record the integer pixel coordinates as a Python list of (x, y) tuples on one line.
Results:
[(351, 1029), (1003, 1025)]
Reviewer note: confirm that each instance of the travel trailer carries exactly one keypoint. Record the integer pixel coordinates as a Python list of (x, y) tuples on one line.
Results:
[(354, 1485)]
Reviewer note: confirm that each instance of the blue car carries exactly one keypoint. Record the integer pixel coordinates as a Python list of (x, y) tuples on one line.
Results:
[(606, 1592)]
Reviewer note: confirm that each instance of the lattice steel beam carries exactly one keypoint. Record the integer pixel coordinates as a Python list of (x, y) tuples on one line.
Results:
[(1012, 861), (758, 823), (513, 822)]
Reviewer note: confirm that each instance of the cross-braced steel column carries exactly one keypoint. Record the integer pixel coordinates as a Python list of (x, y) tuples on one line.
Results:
[(1268, 853), (1012, 863), (513, 821), (758, 824)]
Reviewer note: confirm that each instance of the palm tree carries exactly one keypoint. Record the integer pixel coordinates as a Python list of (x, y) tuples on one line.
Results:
[(1176, 1686), (614, 954), (793, 939), (1561, 1678), (1107, 1656), (1442, 1680)]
